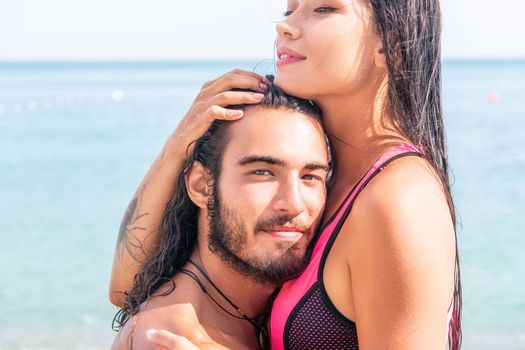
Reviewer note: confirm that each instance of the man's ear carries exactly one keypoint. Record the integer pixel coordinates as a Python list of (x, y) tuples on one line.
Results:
[(196, 180)]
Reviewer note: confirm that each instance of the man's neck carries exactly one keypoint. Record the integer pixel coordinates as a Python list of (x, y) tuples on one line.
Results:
[(251, 297)]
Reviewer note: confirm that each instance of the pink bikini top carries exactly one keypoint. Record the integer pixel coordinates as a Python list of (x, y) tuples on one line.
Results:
[(302, 316)]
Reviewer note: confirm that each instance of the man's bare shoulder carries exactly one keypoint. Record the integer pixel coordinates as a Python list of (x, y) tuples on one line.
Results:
[(174, 311), (177, 318)]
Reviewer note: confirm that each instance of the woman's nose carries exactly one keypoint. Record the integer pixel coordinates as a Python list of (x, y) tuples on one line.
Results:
[(287, 30)]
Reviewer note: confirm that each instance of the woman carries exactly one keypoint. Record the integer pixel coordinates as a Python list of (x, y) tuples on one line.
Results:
[(385, 267)]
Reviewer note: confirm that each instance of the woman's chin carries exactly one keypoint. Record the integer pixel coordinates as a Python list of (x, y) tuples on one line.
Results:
[(293, 86)]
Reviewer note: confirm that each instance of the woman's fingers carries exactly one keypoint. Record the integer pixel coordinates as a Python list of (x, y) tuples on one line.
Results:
[(167, 340), (238, 79), (211, 101), (221, 113), (229, 98), (217, 109)]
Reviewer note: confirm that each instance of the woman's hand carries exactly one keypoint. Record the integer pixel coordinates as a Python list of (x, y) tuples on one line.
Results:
[(211, 102), (166, 340)]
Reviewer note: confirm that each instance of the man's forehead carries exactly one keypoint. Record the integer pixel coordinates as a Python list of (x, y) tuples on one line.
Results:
[(281, 134), (275, 121)]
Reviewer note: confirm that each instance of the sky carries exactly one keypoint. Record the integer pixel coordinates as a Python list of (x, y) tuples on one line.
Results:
[(215, 29)]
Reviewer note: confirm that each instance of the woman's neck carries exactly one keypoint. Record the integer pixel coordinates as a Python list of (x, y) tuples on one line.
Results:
[(359, 130)]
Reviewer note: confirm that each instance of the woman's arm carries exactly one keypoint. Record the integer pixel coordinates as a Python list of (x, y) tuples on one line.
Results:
[(138, 231), (402, 260)]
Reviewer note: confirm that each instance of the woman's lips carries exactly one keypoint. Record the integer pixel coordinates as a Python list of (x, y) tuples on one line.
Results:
[(288, 60), (288, 56)]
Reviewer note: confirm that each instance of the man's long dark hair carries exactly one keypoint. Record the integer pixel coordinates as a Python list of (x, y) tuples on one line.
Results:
[(411, 36), (178, 230)]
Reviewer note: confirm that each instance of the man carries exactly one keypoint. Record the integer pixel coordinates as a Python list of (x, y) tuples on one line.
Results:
[(238, 226)]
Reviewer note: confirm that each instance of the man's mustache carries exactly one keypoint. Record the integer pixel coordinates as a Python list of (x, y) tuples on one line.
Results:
[(280, 221)]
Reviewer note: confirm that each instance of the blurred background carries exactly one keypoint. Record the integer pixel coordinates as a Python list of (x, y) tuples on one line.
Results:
[(89, 91)]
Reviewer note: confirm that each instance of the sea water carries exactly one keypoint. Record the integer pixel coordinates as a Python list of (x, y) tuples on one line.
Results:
[(76, 139)]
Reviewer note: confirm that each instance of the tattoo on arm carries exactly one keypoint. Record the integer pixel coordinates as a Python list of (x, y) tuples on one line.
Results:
[(129, 225)]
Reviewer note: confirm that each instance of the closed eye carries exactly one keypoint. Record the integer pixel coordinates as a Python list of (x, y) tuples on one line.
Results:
[(325, 9), (287, 13)]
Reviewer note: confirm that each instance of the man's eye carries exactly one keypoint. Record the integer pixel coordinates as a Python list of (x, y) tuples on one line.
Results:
[(262, 172), (312, 178), (324, 9)]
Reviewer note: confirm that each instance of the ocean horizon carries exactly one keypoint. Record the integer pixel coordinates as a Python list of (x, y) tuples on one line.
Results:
[(77, 138)]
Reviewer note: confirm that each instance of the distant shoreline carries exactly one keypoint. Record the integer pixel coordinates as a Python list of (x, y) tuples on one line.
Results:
[(65, 65), (166, 64)]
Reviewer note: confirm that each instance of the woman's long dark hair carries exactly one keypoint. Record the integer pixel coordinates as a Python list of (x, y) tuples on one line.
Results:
[(178, 230), (411, 35)]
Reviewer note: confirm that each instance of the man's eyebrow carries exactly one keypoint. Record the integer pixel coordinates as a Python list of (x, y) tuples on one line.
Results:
[(315, 166), (260, 159), (276, 161)]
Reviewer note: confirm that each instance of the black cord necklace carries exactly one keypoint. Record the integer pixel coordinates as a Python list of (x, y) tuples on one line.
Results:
[(260, 330)]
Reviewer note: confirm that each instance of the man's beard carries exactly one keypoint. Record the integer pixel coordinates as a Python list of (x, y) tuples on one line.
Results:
[(228, 238)]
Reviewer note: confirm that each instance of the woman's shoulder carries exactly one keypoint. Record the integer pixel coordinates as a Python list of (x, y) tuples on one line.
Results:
[(404, 206), (408, 183), (400, 239), (399, 246)]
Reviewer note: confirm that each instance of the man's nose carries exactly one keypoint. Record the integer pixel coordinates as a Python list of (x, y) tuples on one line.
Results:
[(290, 199)]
